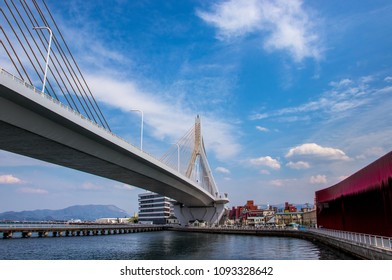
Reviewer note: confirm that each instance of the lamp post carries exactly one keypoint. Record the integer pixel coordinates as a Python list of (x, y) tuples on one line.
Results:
[(178, 156), (47, 56), (141, 128)]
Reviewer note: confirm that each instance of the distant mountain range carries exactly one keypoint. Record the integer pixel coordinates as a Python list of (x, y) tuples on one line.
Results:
[(82, 212)]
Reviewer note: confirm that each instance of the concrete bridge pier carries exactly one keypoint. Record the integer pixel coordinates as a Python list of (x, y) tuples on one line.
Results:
[(210, 214), (26, 234), (43, 234), (7, 234)]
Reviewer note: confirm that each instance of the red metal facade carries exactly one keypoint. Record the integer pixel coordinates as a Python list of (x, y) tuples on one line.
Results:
[(360, 203)]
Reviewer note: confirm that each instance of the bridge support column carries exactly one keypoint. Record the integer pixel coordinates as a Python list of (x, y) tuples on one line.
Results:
[(210, 214), (26, 234), (7, 234)]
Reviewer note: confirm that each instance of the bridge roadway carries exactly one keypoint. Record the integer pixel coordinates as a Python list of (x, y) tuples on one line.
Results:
[(35, 125)]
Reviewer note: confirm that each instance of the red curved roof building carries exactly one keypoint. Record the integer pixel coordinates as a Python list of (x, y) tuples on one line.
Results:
[(361, 202)]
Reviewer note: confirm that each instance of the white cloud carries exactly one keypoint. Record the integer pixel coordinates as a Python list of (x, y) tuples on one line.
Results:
[(344, 98), (282, 182), (298, 165), (9, 179), (258, 116), (91, 186), (285, 25), (318, 179), (233, 18), (125, 187), (341, 83), (222, 170), (314, 150), (262, 129), (32, 191), (388, 79), (265, 172), (265, 161), (371, 152), (164, 117)]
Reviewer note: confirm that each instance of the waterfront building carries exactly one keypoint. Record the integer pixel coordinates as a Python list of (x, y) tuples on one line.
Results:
[(250, 215), (310, 218), (360, 203), (113, 220), (240, 213), (155, 208), (288, 207), (286, 218), (172, 220), (197, 223)]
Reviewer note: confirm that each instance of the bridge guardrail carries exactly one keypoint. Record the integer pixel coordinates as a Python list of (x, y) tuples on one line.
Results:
[(383, 242), (31, 87)]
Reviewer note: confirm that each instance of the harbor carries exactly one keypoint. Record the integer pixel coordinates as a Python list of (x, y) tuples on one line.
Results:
[(363, 246)]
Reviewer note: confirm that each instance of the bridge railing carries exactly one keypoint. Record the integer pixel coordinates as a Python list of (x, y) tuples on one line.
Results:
[(383, 242), (66, 107), (37, 91)]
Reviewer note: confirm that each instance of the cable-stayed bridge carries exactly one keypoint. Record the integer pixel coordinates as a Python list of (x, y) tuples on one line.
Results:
[(63, 124)]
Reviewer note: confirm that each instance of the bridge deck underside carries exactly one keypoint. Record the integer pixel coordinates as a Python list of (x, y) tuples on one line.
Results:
[(50, 133), (20, 141)]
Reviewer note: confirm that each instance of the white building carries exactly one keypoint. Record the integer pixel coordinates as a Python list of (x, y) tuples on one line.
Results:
[(155, 208), (112, 220)]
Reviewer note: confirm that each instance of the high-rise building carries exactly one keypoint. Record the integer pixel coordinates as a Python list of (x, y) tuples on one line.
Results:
[(155, 208)]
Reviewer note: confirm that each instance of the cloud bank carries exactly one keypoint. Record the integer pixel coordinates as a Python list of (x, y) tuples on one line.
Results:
[(9, 179), (166, 118), (283, 25), (316, 151), (265, 161)]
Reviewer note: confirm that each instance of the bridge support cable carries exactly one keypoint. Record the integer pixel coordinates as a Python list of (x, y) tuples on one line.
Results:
[(15, 54), (179, 153), (72, 84), (26, 52), (65, 81), (76, 92), (190, 150), (34, 22), (32, 51), (93, 102), (44, 44)]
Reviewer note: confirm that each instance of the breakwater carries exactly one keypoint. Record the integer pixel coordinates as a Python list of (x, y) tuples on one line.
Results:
[(59, 230)]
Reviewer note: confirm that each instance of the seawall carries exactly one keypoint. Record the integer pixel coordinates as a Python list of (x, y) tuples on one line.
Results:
[(355, 249)]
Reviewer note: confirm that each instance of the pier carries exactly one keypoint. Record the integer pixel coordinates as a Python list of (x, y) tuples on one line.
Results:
[(59, 230)]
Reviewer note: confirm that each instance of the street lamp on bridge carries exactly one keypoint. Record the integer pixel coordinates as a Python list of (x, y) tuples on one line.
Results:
[(178, 156), (48, 53), (141, 127)]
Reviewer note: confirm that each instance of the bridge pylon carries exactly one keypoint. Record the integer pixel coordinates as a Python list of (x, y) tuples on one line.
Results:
[(196, 167)]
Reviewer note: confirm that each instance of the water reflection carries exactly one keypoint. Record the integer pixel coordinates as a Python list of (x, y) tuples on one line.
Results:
[(167, 245)]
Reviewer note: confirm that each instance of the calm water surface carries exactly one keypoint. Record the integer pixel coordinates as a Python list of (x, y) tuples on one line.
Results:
[(165, 245)]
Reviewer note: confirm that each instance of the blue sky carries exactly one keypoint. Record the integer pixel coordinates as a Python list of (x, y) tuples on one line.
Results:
[(293, 95)]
